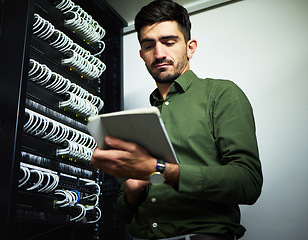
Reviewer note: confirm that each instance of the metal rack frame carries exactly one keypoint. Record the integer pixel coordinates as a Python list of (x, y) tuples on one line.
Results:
[(16, 19)]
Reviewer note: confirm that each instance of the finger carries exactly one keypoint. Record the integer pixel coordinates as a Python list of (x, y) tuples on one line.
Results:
[(107, 160), (108, 155), (136, 183), (117, 143)]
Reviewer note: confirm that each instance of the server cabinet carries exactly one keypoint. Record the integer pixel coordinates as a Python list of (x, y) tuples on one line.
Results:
[(60, 62)]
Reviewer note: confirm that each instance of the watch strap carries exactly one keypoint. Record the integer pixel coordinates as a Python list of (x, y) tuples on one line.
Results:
[(160, 166)]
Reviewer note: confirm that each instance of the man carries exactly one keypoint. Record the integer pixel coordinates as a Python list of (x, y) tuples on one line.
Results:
[(211, 126)]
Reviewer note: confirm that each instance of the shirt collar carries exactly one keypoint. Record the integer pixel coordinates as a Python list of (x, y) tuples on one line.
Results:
[(185, 80), (181, 83)]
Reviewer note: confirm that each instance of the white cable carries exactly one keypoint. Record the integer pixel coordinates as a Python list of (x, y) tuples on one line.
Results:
[(47, 174), (65, 5), (102, 46), (81, 22), (35, 125), (88, 105), (79, 105), (82, 60), (53, 85), (62, 135), (88, 65), (34, 65), (40, 180), (42, 27), (65, 201), (96, 101), (93, 197), (48, 79), (82, 213), (76, 150), (79, 91), (54, 184), (75, 197), (52, 130), (71, 199), (26, 176), (79, 145), (41, 172), (28, 123), (96, 196), (99, 215), (60, 85)]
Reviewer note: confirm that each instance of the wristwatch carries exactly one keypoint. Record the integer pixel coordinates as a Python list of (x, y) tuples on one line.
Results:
[(157, 177)]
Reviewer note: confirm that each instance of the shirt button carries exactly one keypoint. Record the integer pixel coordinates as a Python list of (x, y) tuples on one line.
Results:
[(154, 225), (167, 103), (153, 200)]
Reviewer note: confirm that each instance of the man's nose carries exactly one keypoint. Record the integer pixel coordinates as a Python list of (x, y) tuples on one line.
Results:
[(159, 51)]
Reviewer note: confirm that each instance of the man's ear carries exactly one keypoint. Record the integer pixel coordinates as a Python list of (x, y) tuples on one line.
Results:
[(191, 48), (140, 54)]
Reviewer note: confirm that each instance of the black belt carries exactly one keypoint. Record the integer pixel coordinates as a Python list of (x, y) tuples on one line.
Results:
[(228, 236)]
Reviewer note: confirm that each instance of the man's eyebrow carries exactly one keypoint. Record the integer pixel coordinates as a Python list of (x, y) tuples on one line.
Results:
[(146, 40), (169, 37), (161, 38)]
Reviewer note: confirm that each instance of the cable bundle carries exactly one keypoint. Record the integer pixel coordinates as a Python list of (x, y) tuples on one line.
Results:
[(80, 145), (79, 104), (47, 180), (79, 100), (75, 150), (95, 100), (77, 57), (43, 76), (81, 22), (89, 65), (64, 167), (43, 28), (72, 198), (94, 197)]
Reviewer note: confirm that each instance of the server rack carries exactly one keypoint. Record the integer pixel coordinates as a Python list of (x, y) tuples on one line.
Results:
[(48, 88)]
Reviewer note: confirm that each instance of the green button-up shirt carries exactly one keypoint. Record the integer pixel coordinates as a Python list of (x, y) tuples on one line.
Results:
[(211, 126)]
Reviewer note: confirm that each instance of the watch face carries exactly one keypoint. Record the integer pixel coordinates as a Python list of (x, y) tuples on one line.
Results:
[(157, 178)]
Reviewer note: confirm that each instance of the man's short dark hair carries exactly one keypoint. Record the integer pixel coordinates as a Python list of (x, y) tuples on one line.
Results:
[(163, 10)]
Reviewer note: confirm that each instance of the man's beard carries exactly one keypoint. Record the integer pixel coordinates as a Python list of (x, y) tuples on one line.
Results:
[(172, 75)]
